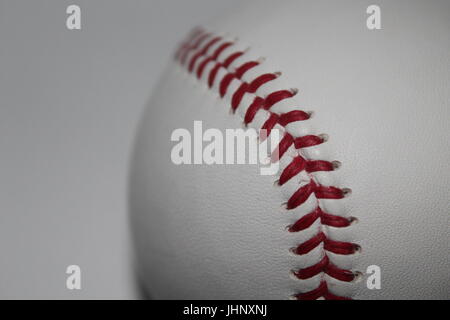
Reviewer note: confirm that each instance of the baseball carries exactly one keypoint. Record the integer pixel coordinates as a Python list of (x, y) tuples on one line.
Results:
[(340, 189)]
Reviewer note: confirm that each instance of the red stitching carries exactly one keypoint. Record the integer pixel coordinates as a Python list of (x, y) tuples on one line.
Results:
[(327, 267), (297, 165), (199, 45), (277, 96), (225, 83), (213, 73), (244, 68), (337, 247), (238, 95), (253, 109), (282, 147), (262, 79), (192, 47), (268, 126), (186, 44), (202, 66), (293, 116), (220, 49), (308, 141), (325, 218), (231, 59), (202, 52), (321, 291)]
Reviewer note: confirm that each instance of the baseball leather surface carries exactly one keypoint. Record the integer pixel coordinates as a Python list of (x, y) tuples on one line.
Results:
[(382, 99)]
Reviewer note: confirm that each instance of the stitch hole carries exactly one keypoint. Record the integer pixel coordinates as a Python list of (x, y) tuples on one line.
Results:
[(261, 59), (284, 206), (292, 250), (324, 137), (310, 114), (292, 274), (353, 220), (336, 164), (346, 192), (294, 91), (358, 276), (357, 248)]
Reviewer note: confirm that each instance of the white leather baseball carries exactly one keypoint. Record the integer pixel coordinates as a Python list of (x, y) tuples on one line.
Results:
[(381, 96)]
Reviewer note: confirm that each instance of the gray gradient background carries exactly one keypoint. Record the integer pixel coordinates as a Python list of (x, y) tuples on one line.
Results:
[(69, 105)]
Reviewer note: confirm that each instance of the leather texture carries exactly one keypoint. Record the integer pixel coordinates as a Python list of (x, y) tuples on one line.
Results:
[(219, 232)]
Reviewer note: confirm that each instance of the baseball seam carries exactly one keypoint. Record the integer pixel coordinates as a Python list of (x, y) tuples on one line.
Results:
[(236, 78)]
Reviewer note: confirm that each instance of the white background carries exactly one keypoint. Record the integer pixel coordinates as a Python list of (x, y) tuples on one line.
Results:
[(69, 105)]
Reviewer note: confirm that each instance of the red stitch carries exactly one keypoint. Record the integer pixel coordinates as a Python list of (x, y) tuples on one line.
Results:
[(213, 73), (253, 109), (259, 81), (225, 83), (326, 219), (192, 62), (300, 196), (194, 33), (313, 270), (231, 58), (323, 192), (220, 49), (202, 52), (282, 147), (193, 47), (337, 247), (307, 141), (244, 68), (237, 96), (297, 164), (320, 291), (306, 221), (326, 266), (335, 221), (245, 86), (315, 294), (310, 244), (183, 51), (337, 273), (319, 165), (268, 126), (277, 96), (293, 116), (340, 247), (180, 50), (200, 40), (202, 66), (187, 43)]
